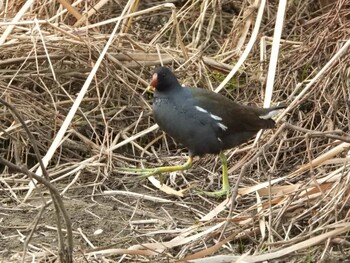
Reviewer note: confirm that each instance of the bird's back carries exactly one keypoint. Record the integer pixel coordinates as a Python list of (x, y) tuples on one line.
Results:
[(207, 122)]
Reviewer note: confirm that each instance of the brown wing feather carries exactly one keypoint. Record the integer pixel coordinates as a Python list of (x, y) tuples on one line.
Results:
[(237, 117)]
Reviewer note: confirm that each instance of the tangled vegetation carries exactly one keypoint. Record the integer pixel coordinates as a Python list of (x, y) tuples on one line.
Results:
[(72, 79)]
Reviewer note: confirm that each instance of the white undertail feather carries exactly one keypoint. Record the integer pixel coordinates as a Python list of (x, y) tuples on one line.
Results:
[(270, 114)]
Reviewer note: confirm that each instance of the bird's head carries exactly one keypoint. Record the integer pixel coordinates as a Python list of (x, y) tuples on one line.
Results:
[(163, 80)]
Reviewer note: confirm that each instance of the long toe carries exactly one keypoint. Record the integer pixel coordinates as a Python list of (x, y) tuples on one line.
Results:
[(152, 172), (136, 170), (217, 194)]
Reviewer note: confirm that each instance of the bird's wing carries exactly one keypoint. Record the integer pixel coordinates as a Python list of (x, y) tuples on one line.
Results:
[(237, 117)]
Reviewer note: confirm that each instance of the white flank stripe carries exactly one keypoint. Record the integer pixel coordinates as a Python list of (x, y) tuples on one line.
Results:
[(222, 126), (201, 109), (215, 117)]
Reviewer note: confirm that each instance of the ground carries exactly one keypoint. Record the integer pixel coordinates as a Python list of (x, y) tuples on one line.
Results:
[(292, 203)]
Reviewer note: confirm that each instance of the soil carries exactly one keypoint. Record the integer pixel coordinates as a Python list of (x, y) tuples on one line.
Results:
[(98, 220)]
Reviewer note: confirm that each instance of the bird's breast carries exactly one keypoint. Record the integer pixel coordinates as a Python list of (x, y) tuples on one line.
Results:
[(194, 127)]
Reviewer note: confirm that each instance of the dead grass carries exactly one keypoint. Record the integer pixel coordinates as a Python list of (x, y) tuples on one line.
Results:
[(79, 84)]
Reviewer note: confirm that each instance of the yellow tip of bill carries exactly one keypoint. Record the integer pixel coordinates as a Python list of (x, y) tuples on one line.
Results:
[(150, 88)]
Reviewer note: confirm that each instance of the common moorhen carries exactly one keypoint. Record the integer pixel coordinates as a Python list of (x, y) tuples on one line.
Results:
[(203, 121)]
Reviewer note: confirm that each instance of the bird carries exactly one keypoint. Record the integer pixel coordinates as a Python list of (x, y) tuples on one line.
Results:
[(203, 121)]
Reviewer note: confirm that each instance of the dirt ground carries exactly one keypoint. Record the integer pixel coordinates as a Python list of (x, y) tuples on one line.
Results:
[(293, 202), (120, 220), (98, 219)]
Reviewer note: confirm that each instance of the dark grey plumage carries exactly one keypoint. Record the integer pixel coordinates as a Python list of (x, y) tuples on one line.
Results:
[(203, 121)]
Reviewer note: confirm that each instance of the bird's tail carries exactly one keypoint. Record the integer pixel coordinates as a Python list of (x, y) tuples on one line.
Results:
[(271, 112)]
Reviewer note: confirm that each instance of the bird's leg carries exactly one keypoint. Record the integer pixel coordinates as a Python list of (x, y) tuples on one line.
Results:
[(225, 183), (146, 172)]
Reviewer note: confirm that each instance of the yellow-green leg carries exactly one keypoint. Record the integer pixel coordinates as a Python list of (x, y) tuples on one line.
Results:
[(225, 190), (147, 172)]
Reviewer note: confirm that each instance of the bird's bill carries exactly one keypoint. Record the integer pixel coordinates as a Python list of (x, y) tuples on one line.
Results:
[(153, 84), (150, 88)]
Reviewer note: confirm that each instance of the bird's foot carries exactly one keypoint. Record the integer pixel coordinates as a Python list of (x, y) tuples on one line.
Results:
[(147, 172), (143, 172), (225, 191)]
